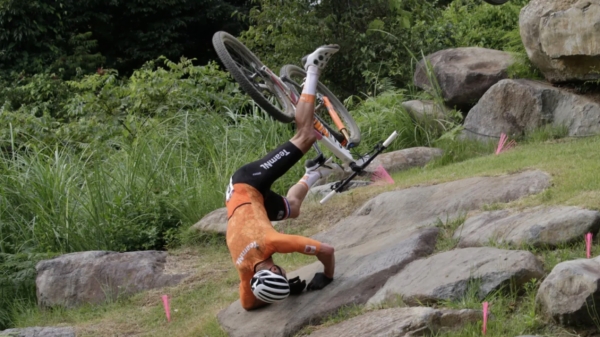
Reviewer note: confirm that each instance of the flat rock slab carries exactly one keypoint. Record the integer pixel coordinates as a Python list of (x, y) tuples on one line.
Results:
[(360, 272), (539, 226), (95, 276), (446, 276), (570, 293), (416, 321), (39, 332), (390, 214)]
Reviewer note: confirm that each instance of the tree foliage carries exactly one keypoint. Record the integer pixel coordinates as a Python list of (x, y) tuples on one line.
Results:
[(63, 35)]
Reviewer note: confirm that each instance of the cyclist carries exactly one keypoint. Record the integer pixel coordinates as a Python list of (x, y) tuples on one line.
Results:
[(251, 206)]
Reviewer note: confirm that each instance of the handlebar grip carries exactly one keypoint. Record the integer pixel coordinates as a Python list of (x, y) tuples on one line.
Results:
[(327, 197), (390, 139)]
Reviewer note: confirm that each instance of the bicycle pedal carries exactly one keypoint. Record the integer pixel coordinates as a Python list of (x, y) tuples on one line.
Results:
[(318, 160)]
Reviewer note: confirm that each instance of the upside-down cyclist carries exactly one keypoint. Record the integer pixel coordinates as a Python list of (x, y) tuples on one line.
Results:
[(251, 206)]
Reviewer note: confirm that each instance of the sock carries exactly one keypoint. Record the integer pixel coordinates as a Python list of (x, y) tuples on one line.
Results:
[(312, 78), (310, 178)]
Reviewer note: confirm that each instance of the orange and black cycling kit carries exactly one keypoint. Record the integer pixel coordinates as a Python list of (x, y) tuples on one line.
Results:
[(251, 237)]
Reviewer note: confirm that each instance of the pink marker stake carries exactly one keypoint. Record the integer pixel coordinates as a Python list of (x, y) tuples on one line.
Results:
[(485, 316), (588, 244), (165, 300)]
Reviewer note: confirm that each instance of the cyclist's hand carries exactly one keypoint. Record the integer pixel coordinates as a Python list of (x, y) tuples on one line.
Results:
[(318, 282), (296, 285)]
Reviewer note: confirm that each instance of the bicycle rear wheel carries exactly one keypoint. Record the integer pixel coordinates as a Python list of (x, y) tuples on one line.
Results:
[(245, 68), (294, 75)]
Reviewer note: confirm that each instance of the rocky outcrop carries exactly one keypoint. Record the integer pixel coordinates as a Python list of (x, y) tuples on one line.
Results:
[(404, 159), (516, 106), (360, 271), (39, 332), (417, 321), (570, 293), (447, 276), (95, 276), (391, 213), (379, 240), (561, 38), (539, 226), (463, 74)]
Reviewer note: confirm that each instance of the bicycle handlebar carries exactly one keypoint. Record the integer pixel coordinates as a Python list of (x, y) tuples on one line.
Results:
[(378, 149)]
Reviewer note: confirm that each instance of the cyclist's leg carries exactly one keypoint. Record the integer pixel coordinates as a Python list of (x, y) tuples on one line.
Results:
[(305, 136)]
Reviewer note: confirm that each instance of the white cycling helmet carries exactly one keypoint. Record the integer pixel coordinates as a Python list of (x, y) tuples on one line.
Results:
[(269, 287)]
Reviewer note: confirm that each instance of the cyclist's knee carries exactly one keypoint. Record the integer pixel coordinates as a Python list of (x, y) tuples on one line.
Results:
[(294, 208)]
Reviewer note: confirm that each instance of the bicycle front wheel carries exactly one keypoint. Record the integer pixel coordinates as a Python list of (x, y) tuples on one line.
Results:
[(247, 70), (294, 75)]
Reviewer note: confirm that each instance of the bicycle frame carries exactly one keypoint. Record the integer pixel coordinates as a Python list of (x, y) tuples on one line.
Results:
[(324, 137)]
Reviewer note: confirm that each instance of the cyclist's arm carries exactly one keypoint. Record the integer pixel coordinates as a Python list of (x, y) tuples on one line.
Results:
[(327, 258), (283, 243)]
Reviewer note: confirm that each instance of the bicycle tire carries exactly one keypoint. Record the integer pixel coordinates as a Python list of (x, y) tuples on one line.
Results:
[(496, 2), (290, 71), (225, 45)]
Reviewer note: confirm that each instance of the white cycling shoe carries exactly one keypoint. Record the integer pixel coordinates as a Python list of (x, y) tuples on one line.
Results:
[(320, 57)]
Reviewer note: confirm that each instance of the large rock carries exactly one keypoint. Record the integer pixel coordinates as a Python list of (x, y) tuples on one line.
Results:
[(213, 222), (416, 321), (516, 106), (463, 74), (391, 213), (539, 226), (360, 272), (570, 293), (427, 112), (39, 332), (446, 276), (95, 276), (561, 38)]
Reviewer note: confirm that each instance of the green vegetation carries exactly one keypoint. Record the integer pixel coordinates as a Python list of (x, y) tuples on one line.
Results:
[(106, 143)]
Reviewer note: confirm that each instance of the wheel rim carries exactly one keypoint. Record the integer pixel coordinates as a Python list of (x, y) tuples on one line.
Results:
[(252, 72)]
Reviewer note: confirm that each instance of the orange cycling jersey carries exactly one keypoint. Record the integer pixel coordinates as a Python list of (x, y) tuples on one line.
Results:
[(252, 239)]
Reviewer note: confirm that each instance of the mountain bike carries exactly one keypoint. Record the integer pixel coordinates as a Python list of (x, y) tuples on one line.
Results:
[(278, 96)]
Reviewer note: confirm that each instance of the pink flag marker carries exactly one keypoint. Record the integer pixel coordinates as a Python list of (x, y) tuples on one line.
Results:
[(588, 244), (485, 317), (381, 176), (502, 146), (165, 300)]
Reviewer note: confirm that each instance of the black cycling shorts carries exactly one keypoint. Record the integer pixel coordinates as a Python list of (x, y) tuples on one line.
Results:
[(261, 174)]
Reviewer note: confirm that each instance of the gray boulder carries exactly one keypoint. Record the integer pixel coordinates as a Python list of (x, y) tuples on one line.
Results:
[(561, 38), (428, 112), (570, 293), (539, 226), (213, 222), (391, 213), (416, 321), (446, 276), (95, 276), (360, 271), (39, 332), (463, 74), (516, 106)]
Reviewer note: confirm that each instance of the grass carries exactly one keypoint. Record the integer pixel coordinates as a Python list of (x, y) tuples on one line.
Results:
[(213, 285)]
